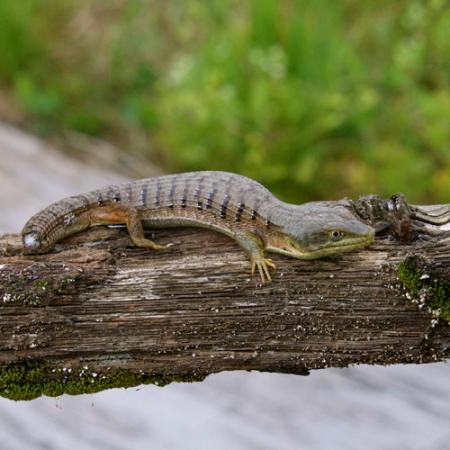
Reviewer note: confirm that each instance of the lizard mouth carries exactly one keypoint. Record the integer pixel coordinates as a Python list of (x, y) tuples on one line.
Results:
[(341, 247), (293, 250)]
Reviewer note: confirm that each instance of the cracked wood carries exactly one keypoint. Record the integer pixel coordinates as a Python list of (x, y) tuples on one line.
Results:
[(96, 300)]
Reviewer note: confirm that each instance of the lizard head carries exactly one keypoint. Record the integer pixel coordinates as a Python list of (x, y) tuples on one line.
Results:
[(321, 230)]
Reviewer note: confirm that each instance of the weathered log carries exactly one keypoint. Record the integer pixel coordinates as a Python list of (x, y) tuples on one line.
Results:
[(97, 312)]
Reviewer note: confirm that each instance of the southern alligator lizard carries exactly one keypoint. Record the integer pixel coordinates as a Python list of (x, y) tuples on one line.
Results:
[(231, 204)]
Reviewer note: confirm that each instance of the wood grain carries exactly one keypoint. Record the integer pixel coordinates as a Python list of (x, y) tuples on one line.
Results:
[(194, 309)]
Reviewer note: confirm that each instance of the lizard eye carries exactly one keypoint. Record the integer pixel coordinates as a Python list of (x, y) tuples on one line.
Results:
[(336, 235)]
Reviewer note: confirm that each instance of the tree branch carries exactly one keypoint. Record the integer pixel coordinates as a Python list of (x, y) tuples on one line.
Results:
[(98, 312)]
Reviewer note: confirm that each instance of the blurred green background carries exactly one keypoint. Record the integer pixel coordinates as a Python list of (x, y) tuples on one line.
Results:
[(316, 99)]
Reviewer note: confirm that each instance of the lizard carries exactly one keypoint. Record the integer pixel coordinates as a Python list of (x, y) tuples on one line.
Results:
[(232, 204)]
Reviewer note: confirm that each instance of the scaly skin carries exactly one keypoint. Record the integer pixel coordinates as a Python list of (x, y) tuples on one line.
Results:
[(231, 204)]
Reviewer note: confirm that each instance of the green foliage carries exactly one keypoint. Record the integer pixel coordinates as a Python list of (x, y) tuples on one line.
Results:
[(17, 45), (296, 100), (315, 99)]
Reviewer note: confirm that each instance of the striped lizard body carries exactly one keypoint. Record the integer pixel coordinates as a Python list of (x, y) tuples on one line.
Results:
[(229, 203)]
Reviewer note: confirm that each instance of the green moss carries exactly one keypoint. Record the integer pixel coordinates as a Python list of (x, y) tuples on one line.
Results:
[(22, 289), (26, 380), (35, 292), (42, 284), (409, 276), (26, 289), (67, 281), (425, 288)]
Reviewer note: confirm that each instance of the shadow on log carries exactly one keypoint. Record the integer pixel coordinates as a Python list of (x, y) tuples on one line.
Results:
[(97, 312)]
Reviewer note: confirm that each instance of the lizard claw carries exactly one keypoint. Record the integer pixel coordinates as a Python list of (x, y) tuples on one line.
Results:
[(147, 243), (263, 265), (162, 246)]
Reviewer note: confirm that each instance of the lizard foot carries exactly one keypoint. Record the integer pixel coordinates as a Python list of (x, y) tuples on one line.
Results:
[(147, 243), (263, 265), (161, 247)]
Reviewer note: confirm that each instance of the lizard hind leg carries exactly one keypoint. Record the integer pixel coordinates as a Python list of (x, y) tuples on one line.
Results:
[(136, 231)]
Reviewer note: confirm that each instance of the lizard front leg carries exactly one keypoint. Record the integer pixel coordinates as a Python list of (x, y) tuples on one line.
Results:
[(254, 248)]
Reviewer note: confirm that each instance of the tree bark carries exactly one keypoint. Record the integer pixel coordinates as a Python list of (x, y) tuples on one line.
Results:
[(97, 312)]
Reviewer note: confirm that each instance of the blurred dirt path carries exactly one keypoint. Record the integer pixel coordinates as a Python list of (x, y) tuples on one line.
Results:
[(375, 408), (32, 175)]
